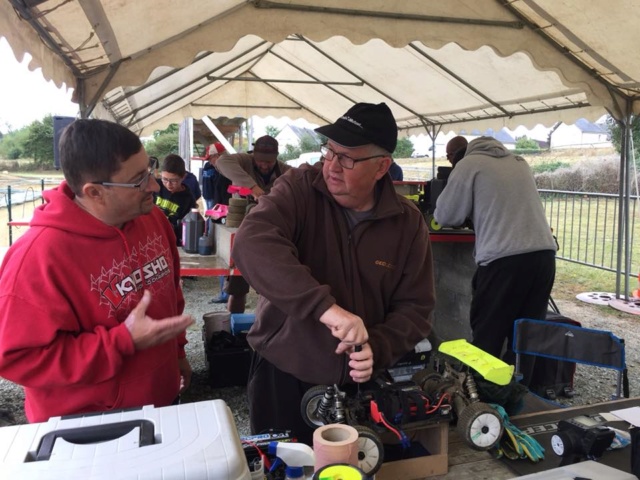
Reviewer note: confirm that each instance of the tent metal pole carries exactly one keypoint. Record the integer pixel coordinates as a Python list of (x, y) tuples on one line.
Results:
[(622, 207), (370, 85), (390, 15), (627, 200)]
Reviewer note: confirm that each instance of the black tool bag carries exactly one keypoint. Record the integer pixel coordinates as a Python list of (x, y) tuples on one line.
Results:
[(554, 377)]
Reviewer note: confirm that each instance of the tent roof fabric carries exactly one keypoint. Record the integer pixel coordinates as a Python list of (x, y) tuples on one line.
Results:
[(456, 64)]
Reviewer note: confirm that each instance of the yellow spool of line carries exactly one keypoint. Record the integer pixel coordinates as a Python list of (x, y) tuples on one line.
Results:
[(340, 471)]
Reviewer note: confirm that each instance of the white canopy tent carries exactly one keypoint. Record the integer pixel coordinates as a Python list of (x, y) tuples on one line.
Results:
[(453, 65)]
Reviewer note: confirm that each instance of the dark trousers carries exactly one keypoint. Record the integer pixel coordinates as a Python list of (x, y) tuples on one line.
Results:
[(507, 289), (235, 285), (274, 400)]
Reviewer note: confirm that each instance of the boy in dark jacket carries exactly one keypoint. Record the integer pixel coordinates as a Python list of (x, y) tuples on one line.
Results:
[(174, 198)]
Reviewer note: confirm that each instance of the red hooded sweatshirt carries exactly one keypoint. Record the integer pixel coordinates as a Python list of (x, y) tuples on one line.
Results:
[(66, 287)]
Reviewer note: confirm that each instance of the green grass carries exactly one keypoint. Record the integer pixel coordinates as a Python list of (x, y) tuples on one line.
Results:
[(587, 229), (549, 166), (572, 279)]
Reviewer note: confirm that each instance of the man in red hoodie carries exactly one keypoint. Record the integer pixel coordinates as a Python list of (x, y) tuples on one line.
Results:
[(90, 300)]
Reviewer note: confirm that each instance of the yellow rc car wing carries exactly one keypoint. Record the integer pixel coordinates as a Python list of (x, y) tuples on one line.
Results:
[(491, 368)]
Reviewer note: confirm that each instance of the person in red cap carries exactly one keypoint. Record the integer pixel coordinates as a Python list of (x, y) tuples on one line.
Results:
[(257, 170), (214, 184), (339, 260)]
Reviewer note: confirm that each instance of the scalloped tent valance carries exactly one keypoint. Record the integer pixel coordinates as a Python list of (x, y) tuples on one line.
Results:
[(455, 64)]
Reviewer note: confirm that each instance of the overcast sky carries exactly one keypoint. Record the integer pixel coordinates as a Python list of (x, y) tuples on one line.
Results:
[(25, 96)]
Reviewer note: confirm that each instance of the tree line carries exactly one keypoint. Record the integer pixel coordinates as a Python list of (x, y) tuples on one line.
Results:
[(35, 142)]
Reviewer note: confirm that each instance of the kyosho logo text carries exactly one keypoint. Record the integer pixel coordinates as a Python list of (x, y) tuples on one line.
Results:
[(149, 273)]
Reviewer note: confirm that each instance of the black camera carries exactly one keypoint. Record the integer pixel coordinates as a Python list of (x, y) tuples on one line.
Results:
[(581, 437)]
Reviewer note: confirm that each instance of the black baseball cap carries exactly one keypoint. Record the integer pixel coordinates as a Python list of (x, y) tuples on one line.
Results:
[(266, 144), (364, 123)]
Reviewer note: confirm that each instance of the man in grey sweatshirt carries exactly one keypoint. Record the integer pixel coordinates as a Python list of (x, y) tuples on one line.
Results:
[(515, 249)]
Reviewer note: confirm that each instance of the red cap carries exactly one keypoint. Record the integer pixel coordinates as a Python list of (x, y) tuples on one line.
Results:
[(214, 148)]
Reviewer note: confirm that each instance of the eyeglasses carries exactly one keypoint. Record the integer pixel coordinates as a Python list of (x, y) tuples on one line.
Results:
[(345, 161), (171, 181), (142, 184)]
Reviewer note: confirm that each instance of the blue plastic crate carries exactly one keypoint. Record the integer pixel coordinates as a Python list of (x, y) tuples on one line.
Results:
[(241, 322)]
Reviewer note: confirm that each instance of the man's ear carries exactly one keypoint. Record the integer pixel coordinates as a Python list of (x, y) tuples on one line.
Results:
[(383, 167), (93, 192)]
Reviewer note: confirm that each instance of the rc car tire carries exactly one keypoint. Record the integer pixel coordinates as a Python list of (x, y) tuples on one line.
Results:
[(240, 202), (309, 406), (370, 450), (480, 426), (427, 380)]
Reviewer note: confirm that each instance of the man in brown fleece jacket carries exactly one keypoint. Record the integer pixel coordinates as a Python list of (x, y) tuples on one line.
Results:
[(339, 260)]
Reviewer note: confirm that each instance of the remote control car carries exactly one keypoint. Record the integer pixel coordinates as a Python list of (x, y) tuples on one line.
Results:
[(374, 408), (479, 424)]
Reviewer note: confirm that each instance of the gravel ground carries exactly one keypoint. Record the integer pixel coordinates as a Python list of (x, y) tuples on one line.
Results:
[(592, 384), (198, 292)]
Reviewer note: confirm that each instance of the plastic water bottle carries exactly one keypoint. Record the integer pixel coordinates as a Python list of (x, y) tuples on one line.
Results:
[(192, 230)]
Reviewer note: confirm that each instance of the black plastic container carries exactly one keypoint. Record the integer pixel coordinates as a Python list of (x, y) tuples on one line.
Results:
[(192, 230)]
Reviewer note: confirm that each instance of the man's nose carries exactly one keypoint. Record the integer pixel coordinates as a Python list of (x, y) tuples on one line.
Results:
[(334, 165), (153, 185)]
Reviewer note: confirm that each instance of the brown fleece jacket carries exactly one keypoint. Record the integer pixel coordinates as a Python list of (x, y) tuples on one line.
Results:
[(296, 250)]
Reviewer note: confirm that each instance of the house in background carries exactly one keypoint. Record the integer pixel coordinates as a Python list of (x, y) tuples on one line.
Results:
[(502, 135), (423, 145), (293, 135), (582, 134)]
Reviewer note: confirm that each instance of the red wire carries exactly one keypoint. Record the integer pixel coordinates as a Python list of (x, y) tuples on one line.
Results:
[(386, 424), (265, 460)]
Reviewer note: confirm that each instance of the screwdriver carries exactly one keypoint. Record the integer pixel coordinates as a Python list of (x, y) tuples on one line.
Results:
[(358, 348)]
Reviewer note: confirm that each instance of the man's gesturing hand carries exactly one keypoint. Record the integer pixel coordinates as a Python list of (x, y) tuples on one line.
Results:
[(147, 332), (345, 326)]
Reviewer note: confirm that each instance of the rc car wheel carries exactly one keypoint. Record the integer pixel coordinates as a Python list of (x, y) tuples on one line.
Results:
[(223, 220), (428, 381), (370, 450), (480, 426), (309, 406), (238, 202)]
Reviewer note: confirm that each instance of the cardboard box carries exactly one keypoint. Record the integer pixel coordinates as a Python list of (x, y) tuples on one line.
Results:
[(435, 438)]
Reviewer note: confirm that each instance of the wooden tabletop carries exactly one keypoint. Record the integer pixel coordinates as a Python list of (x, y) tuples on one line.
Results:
[(466, 463)]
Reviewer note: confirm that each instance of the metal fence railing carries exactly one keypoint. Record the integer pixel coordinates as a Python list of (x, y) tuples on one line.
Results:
[(586, 226), (19, 202)]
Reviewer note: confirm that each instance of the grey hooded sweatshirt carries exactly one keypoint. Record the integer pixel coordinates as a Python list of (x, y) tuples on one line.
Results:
[(497, 191)]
